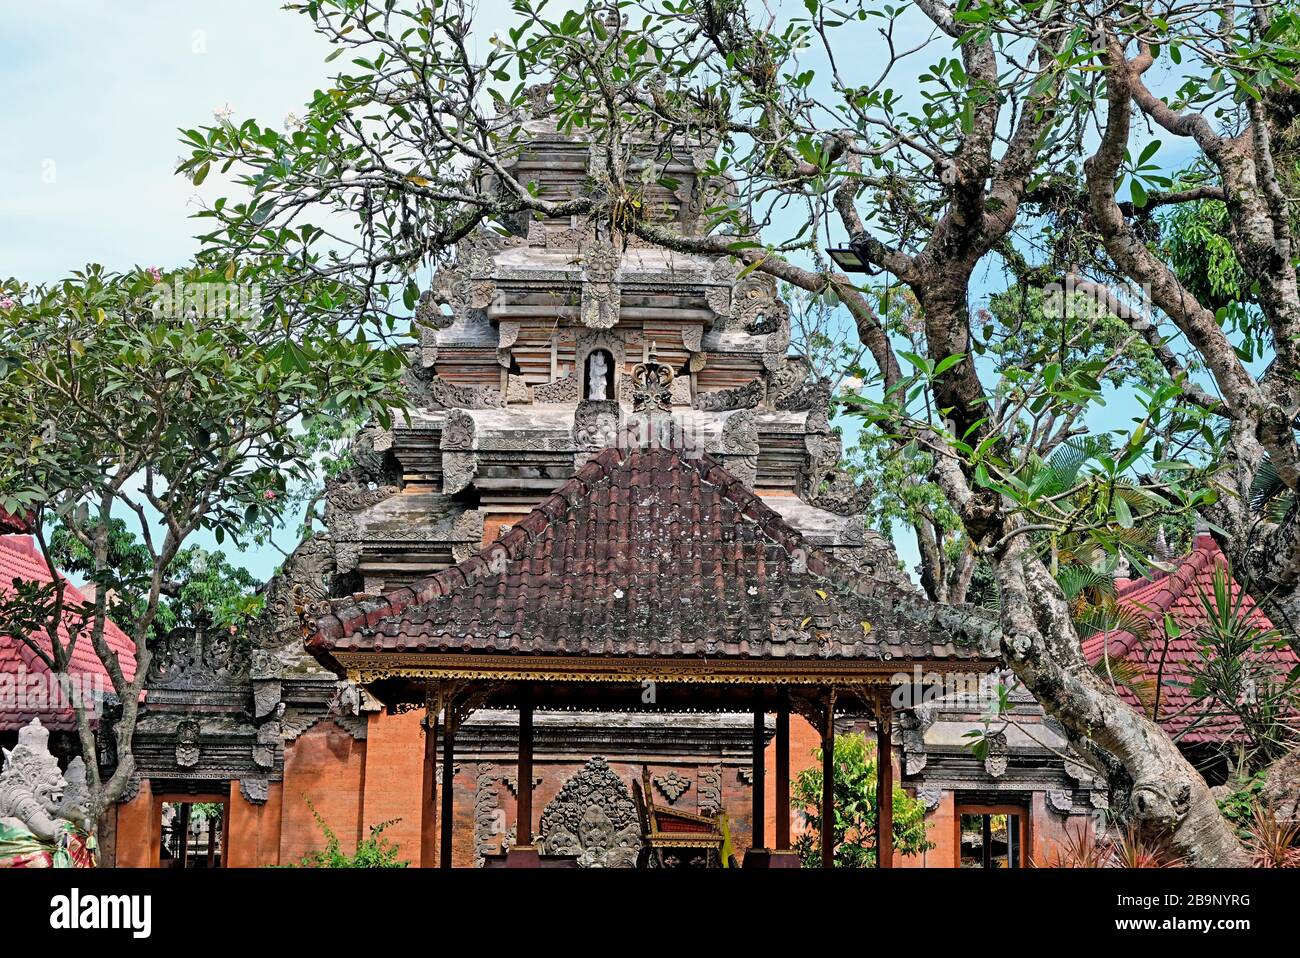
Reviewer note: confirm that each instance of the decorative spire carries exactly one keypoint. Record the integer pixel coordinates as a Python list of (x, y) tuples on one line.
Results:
[(652, 385)]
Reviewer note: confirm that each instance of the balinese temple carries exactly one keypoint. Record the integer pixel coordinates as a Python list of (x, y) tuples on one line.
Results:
[(597, 598)]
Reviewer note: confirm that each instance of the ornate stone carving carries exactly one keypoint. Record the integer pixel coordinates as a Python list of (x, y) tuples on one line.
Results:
[(995, 760), (930, 796), (710, 790), (597, 372), (202, 657), (489, 818), (31, 785), (596, 424), (652, 386), (672, 785), (744, 468), (840, 494), (748, 396), (458, 469), (457, 430), (187, 743), (466, 287), (593, 817), (1060, 801), (295, 598), (784, 382), (722, 275), (255, 790), (740, 433), (566, 389), (429, 391), (600, 289)]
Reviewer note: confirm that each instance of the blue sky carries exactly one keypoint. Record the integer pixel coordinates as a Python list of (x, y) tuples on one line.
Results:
[(95, 92)]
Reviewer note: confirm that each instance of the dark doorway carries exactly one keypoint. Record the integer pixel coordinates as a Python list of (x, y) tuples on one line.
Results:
[(192, 834), (992, 836)]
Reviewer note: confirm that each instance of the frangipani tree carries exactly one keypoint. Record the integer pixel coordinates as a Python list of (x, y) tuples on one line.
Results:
[(966, 141), (122, 403)]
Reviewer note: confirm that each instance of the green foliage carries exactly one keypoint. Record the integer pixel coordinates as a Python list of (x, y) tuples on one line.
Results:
[(373, 851), (174, 403), (855, 809), (1238, 806), (204, 586), (1234, 677)]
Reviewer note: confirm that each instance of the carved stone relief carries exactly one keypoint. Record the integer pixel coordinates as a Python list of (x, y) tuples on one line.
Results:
[(672, 784), (594, 818)]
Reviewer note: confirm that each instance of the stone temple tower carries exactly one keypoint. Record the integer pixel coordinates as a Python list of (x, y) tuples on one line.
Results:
[(531, 341)]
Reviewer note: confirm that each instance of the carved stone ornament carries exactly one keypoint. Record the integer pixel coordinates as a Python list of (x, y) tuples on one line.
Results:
[(672, 785), (1061, 802), (929, 796), (600, 289), (201, 657), (187, 744), (652, 386), (740, 433), (995, 760), (596, 424), (748, 396), (458, 470), (255, 790), (457, 430), (31, 785), (426, 390), (710, 791), (593, 817), (566, 389)]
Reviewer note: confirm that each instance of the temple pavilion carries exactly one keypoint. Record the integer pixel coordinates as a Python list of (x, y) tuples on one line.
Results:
[(598, 596)]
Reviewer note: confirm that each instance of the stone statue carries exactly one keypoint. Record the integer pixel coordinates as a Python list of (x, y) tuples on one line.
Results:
[(597, 370), (43, 815)]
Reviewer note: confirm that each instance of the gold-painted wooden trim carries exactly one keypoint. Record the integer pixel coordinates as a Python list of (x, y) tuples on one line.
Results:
[(367, 667)]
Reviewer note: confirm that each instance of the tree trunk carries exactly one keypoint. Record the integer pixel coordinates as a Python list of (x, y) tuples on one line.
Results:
[(1042, 647)]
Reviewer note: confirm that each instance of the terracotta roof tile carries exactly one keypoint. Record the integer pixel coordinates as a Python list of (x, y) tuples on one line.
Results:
[(20, 559), (1178, 594), (648, 553)]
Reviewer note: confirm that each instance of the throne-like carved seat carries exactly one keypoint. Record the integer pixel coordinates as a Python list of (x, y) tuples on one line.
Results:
[(672, 838)]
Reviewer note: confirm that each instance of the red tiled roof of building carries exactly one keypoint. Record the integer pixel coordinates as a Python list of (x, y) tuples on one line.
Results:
[(649, 553), (10, 523), (20, 559), (1178, 594)]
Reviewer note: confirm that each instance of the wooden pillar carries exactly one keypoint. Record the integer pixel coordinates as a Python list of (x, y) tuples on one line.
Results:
[(448, 796), (524, 807), (429, 792), (758, 839), (184, 819), (828, 783), (884, 785), (783, 770)]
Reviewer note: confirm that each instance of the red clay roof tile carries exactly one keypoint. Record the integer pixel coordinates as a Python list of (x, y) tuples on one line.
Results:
[(1178, 593), (646, 553)]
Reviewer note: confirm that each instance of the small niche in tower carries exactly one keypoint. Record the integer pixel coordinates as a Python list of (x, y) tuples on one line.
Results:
[(598, 383)]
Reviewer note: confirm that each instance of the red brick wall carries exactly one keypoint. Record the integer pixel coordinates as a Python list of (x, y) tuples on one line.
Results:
[(253, 831), (393, 778), (804, 740), (138, 831), (326, 765)]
